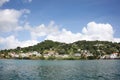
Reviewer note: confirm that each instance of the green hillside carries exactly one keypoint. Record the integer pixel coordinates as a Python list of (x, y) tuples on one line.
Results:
[(94, 48)]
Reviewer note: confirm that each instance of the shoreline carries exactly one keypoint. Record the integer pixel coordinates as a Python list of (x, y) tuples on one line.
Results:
[(57, 59)]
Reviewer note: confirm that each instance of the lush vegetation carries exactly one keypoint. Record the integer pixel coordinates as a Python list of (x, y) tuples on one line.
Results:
[(97, 48)]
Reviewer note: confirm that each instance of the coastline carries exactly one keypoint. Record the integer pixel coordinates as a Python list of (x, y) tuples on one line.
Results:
[(54, 59)]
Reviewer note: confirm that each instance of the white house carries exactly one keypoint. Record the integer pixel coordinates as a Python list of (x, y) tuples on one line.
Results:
[(65, 56), (114, 55), (24, 55), (77, 54), (105, 57)]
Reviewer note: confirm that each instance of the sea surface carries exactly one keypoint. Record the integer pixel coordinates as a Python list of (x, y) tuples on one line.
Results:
[(59, 69)]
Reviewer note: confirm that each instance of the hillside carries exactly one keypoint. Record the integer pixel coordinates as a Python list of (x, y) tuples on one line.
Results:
[(78, 50)]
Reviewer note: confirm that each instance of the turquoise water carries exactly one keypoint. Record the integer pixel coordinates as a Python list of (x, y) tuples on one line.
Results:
[(60, 70)]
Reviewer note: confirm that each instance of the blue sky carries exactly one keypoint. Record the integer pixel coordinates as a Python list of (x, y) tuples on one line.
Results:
[(76, 18)]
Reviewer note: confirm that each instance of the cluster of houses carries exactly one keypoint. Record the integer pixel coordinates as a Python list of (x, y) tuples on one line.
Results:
[(111, 56), (48, 54), (36, 54), (24, 55)]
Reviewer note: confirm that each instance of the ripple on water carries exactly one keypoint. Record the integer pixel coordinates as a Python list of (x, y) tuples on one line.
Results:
[(59, 70)]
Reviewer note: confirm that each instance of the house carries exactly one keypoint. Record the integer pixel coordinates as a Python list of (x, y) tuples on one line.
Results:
[(86, 53), (105, 57), (16, 56), (89, 54), (114, 55), (65, 56), (46, 55), (24, 55), (36, 53), (77, 54), (50, 53)]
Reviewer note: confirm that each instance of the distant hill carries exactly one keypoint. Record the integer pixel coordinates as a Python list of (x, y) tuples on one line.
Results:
[(96, 48)]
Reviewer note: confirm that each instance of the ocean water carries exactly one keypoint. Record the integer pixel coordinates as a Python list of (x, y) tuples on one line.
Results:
[(59, 70)]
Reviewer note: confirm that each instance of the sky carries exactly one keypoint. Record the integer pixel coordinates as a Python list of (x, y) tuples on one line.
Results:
[(27, 22)]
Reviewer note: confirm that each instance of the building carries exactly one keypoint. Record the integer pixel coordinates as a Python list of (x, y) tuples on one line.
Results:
[(114, 55)]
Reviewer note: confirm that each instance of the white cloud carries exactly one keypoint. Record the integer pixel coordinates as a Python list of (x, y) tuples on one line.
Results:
[(9, 19), (116, 40), (43, 30), (93, 31), (3, 2), (64, 36), (11, 42), (98, 31), (28, 43)]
